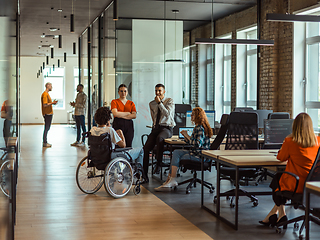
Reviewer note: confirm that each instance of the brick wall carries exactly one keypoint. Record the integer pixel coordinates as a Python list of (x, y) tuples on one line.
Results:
[(276, 79)]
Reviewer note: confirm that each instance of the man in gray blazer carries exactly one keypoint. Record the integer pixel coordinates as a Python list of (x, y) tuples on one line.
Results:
[(162, 114)]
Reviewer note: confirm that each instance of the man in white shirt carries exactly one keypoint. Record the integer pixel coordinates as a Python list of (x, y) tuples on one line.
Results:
[(162, 114)]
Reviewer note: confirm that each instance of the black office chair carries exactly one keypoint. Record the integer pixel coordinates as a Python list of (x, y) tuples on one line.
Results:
[(180, 116), (297, 199), (194, 166), (279, 115), (242, 134)]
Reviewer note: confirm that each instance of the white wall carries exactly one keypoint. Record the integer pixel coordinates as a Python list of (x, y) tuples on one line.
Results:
[(32, 87)]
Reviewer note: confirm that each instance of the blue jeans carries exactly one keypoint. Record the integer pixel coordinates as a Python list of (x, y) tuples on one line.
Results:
[(80, 123), (135, 153), (178, 154)]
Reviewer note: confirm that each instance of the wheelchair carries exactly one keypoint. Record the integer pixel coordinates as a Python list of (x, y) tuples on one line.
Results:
[(5, 166), (113, 168)]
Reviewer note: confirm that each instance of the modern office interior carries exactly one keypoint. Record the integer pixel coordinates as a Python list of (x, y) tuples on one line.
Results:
[(247, 56)]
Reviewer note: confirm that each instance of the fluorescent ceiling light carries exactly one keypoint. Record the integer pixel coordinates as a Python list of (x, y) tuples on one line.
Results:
[(292, 18), (234, 41)]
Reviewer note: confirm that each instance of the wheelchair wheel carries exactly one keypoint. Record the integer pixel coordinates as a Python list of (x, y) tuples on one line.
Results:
[(4, 178), (118, 177), (89, 179)]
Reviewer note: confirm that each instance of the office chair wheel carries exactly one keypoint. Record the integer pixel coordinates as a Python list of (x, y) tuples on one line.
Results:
[(228, 198), (278, 230), (295, 226), (255, 203), (4, 178), (188, 191), (256, 183), (118, 177), (211, 190), (232, 205), (89, 179), (215, 200), (136, 189)]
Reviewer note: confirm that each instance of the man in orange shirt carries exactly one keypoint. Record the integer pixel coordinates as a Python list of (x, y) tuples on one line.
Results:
[(47, 112)]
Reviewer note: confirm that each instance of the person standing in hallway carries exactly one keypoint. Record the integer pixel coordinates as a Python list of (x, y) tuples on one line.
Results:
[(124, 111), (80, 105), (162, 114), (47, 112)]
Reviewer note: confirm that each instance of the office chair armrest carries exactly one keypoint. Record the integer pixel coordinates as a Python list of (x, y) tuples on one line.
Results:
[(86, 134), (293, 175)]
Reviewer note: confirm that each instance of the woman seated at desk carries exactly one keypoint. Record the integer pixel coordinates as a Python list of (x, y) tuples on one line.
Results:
[(299, 149), (200, 139)]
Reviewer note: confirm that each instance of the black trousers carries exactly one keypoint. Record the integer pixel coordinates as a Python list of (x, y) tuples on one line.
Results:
[(276, 196), (156, 137), (126, 126), (47, 125)]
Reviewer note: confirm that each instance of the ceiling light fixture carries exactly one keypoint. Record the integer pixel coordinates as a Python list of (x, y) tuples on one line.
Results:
[(276, 17), (47, 60), (175, 39), (115, 10), (60, 41), (65, 57), (72, 20), (74, 48), (51, 52), (58, 63)]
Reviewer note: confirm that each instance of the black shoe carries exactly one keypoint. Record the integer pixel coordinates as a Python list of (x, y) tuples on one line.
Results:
[(272, 221), (283, 219), (157, 170), (145, 180)]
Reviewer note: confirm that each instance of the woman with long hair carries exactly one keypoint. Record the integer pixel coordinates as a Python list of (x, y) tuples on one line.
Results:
[(200, 140), (124, 111), (299, 149)]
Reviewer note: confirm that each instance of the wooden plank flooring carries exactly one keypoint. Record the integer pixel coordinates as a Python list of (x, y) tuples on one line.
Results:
[(50, 206)]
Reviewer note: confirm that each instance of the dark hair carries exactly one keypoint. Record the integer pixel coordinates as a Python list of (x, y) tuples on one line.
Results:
[(102, 115), (122, 85), (80, 85), (160, 85)]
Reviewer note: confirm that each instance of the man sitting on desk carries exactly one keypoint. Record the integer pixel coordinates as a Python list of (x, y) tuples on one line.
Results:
[(162, 114)]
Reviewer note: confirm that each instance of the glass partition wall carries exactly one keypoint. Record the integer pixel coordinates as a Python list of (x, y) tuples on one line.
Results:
[(139, 53)]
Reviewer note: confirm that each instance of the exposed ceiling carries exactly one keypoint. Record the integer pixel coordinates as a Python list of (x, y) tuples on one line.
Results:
[(37, 17)]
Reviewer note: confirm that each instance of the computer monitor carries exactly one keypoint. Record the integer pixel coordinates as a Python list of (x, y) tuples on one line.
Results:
[(188, 129), (262, 115), (210, 115), (276, 130)]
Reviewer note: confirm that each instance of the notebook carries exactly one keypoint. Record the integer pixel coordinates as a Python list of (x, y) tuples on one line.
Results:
[(188, 129)]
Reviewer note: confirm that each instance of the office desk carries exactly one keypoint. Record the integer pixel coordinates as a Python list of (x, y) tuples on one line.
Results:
[(236, 159), (314, 188)]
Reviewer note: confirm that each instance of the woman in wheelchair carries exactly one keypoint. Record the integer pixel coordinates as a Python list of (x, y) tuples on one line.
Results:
[(102, 117), (299, 149), (200, 140)]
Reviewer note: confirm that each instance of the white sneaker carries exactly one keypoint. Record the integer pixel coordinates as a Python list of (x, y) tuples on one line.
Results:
[(167, 186), (82, 144), (46, 145), (75, 144)]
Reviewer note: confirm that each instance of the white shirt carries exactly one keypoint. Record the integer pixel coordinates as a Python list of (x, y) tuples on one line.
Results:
[(97, 131)]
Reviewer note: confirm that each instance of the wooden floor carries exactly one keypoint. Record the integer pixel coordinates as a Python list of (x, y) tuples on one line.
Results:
[(50, 206)]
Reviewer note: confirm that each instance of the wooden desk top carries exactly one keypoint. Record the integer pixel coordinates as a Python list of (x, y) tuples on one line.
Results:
[(175, 140), (313, 186), (217, 153)]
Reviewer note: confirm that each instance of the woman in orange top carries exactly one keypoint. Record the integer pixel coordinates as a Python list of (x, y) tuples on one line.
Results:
[(299, 149), (124, 111)]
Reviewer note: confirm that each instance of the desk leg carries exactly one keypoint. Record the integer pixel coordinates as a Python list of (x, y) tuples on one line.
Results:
[(218, 188), (307, 215), (237, 198), (202, 179)]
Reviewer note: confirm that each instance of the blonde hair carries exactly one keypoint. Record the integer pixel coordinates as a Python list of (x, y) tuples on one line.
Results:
[(302, 131), (200, 118)]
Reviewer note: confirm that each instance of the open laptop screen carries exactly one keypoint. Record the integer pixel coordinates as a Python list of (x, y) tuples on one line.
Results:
[(188, 129)]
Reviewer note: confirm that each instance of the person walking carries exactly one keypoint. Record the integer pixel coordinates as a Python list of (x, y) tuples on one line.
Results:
[(47, 112), (79, 112), (124, 111)]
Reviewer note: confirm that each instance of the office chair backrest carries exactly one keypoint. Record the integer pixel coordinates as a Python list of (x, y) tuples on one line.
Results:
[(242, 131), (314, 175), (180, 116), (279, 115), (222, 132)]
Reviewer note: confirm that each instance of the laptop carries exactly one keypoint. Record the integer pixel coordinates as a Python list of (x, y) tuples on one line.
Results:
[(188, 129)]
